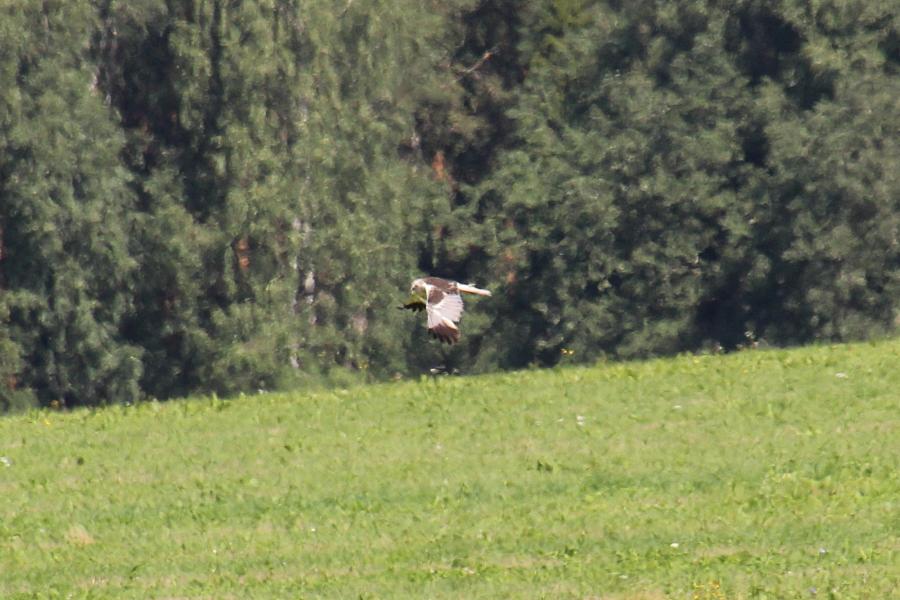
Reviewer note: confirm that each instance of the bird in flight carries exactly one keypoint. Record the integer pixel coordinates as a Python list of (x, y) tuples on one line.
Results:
[(442, 303)]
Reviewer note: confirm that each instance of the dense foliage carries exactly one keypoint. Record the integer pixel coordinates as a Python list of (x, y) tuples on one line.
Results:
[(232, 195)]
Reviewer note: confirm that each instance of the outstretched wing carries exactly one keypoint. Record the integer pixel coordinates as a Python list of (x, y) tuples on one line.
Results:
[(444, 312), (444, 285)]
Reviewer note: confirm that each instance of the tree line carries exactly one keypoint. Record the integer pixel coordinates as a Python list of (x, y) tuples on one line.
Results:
[(204, 196)]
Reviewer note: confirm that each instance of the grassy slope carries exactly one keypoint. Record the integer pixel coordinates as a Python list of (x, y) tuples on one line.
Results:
[(761, 474)]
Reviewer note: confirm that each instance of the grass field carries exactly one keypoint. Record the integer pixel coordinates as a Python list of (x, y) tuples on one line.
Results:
[(764, 474)]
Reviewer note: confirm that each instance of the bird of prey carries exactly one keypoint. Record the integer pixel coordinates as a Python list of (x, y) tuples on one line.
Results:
[(442, 303)]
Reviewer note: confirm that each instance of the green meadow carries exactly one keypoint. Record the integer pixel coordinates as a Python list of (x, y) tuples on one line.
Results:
[(760, 474)]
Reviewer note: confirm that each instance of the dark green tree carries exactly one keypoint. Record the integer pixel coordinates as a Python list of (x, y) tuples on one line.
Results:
[(274, 153), (827, 195), (64, 202), (648, 201)]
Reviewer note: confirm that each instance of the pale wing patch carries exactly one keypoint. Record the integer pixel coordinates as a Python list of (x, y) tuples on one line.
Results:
[(442, 318), (450, 306), (436, 320)]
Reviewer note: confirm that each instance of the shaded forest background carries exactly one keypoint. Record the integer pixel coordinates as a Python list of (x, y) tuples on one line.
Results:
[(224, 195)]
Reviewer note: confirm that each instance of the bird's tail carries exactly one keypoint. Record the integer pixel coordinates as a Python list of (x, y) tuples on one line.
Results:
[(471, 289)]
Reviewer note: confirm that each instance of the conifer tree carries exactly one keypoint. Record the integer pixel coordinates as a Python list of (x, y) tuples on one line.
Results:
[(365, 210), (64, 202), (649, 200), (272, 133), (827, 105)]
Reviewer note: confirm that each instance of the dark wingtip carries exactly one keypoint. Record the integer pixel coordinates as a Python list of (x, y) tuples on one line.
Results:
[(446, 335)]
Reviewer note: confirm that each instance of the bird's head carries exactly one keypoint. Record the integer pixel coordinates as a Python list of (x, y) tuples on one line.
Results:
[(417, 291)]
